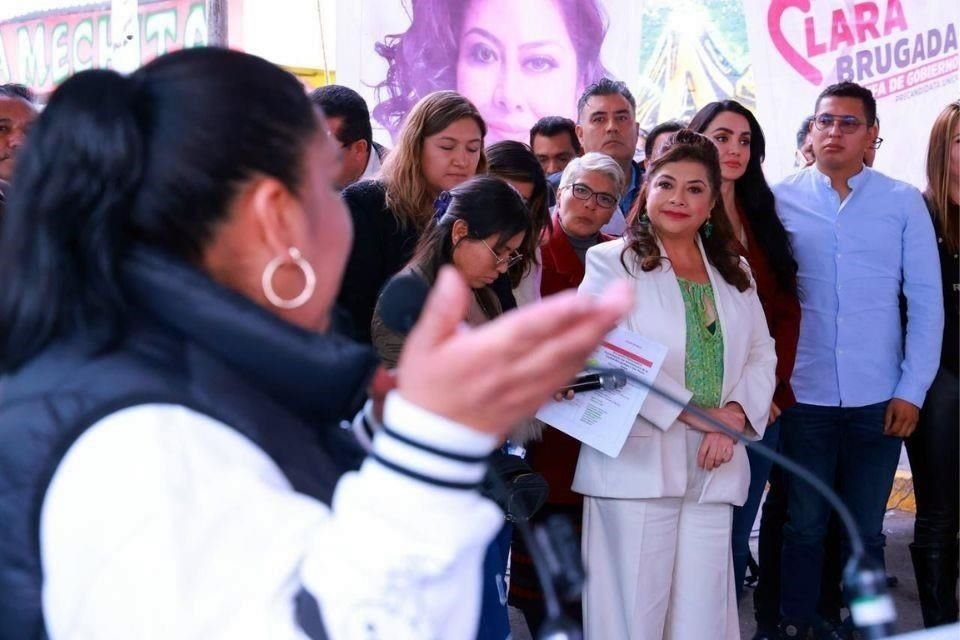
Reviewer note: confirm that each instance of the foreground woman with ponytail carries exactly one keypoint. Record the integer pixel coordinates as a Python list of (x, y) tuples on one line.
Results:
[(172, 460)]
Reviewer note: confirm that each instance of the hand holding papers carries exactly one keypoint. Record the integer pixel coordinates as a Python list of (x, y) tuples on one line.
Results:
[(602, 419)]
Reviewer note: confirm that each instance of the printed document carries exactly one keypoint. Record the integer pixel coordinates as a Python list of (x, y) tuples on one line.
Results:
[(603, 419)]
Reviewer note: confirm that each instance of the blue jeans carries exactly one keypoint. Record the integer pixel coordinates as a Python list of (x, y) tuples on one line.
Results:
[(842, 446), (744, 517)]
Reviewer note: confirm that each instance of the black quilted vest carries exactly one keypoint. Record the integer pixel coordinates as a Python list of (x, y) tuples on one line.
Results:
[(191, 343)]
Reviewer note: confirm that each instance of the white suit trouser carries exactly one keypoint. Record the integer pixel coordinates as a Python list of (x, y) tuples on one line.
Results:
[(658, 568)]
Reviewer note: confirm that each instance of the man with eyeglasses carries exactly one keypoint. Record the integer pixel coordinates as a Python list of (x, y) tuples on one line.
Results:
[(859, 238), (804, 154)]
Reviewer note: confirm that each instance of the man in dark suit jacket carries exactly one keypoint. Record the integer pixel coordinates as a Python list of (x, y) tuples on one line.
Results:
[(348, 119)]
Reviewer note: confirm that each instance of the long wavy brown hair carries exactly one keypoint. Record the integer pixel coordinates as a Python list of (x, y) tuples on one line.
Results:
[(938, 173), (641, 248), (409, 196)]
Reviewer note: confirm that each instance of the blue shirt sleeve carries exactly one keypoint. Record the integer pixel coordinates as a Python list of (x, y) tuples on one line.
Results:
[(923, 291)]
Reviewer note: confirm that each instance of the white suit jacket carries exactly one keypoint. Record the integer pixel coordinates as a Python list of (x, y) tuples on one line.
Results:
[(653, 462)]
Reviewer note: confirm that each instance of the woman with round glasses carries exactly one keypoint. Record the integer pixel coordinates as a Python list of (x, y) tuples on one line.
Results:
[(479, 228), (585, 201)]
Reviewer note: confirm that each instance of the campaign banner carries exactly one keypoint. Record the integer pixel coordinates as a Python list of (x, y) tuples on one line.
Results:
[(905, 51), (519, 61)]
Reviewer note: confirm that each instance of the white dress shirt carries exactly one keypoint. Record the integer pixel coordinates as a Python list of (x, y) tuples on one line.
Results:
[(373, 166), (528, 290)]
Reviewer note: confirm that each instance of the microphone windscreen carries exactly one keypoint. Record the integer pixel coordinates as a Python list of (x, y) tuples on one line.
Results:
[(402, 300)]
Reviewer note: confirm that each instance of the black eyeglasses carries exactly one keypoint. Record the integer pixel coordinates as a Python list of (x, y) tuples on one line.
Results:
[(583, 192), (877, 142), (848, 124)]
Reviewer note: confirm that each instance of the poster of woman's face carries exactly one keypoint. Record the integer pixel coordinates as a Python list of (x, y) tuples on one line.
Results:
[(516, 61), (519, 70), (521, 60)]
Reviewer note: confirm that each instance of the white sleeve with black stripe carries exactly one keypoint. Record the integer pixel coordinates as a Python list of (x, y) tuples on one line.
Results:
[(411, 556), (161, 523)]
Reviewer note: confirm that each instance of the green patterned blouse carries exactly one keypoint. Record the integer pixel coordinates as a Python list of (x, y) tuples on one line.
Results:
[(704, 362)]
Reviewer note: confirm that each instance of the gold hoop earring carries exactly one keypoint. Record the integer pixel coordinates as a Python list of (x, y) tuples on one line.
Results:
[(309, 277)]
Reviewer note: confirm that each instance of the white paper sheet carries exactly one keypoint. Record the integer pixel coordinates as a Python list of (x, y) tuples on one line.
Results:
[(603, 419)]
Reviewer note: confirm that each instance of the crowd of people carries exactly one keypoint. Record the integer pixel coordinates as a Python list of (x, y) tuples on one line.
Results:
[(211, 424)]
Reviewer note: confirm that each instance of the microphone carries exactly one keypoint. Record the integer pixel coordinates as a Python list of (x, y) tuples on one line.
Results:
[(608, 380), (402, 300), (552, 547)]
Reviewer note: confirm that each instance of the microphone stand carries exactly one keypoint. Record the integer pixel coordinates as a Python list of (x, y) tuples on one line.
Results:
[(542, 546), (402, 300), (871, 606)]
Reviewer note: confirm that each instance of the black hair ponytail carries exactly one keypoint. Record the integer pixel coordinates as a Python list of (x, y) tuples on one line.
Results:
[(155, 159), (63, 231)]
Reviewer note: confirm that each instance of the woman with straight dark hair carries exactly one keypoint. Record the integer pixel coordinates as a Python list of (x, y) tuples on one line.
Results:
[(480, 228), (933, 447), (440, 146), (760, 237), (173, 464), (515, 163)]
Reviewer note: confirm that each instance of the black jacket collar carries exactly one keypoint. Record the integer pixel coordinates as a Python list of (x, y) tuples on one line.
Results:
[(322, 377)]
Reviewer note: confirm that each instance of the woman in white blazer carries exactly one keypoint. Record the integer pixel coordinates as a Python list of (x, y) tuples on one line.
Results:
[(657, 519)]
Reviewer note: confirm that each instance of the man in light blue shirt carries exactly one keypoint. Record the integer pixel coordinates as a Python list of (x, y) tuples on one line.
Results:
[(860, 238)]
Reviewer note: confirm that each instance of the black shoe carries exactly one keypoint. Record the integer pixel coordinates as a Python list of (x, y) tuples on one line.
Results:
[(752, 576), (936, 571), (766, 634), (824, 629), (791, 630)]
